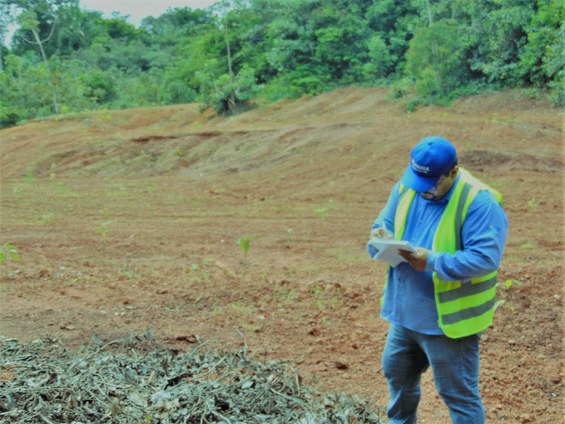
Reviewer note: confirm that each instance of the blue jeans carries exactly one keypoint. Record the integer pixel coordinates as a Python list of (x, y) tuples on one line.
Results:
[(455, 365)]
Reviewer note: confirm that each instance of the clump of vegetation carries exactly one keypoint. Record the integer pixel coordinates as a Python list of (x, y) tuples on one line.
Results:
[(104, 229), (136, 381), (8, 252), (244, 243)]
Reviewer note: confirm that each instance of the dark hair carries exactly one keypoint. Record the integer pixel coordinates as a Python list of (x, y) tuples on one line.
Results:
[(450, 169)]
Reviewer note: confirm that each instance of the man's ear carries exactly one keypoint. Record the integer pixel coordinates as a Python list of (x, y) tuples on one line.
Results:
[(454, 171)]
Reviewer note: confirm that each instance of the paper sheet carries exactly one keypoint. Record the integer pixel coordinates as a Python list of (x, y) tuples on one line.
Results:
[(388, 250)]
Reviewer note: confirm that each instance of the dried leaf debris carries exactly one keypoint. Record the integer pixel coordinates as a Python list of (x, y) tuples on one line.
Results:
[(136, 381)]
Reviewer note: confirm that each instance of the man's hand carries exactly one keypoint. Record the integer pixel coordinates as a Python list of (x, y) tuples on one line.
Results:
[(381, 233), (416, 260)]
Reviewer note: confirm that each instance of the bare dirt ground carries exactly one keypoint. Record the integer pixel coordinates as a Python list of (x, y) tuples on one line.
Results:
[(128, 221)]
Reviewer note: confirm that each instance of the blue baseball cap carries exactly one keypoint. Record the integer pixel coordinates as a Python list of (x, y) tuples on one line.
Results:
[(431, 158)]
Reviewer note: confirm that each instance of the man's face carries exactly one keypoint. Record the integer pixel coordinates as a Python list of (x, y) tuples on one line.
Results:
[(443, 185)]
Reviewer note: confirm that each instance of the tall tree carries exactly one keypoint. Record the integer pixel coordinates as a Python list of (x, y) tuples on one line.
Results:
[(499, 31), (76, 28), (6, 18), (28, 22)]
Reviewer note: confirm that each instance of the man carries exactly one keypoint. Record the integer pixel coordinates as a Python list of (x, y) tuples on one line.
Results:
[(442, 298)]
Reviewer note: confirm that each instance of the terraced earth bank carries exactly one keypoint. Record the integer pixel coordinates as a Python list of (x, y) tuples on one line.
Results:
[(129, 221)]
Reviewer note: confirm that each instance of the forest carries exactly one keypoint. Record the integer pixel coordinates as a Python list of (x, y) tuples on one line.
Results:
[(238, 54)]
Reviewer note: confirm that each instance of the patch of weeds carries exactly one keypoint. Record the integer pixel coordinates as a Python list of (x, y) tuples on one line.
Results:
[(218, 310), (104, 229), (128, 270), (63, 189), (219, 190), (289, 232), (29, 178), (47, 218), (106, 117), (323, 211), (506, 305), (469, 145), (232, 273), (53, 174), (151, 188), (533, 204), (244, 243), (76, 281), (247, 315), (118, 190), (325, 321), (8, 253), (287, 296), (326, 298), (176, 309), (528, 245), (198, 272), (241, 308), (506, 285), (400, 89)]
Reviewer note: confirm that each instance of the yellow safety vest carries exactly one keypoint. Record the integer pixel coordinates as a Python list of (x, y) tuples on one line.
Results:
[(463, 308)]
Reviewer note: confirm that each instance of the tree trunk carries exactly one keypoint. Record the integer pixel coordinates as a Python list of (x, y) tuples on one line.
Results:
[(44, 57), (435, 52)]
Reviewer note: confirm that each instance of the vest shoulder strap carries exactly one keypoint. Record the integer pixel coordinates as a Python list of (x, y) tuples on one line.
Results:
[(475, 182)]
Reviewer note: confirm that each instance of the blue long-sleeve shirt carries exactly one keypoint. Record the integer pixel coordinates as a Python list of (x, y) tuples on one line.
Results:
[(409, 296)]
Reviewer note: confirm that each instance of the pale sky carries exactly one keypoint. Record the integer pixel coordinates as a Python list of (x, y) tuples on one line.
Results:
[(139, 9)]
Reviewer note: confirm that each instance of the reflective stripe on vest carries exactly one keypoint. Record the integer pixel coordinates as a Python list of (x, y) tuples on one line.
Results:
[(464, 308)]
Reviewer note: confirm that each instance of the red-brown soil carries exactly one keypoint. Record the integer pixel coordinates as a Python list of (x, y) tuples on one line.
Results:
[(127, 221)]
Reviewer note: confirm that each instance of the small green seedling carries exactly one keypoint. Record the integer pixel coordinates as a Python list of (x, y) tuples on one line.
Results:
[(8, 251), (499, 303), (29, 178), (506, 284), (289, 231), (199, 272), (104, 229), (243, 245), (321, 212)]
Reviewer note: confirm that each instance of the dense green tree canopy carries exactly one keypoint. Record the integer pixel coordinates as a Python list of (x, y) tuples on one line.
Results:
[(63, 58)]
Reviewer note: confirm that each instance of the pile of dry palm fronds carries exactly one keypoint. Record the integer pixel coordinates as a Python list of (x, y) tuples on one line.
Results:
[(136, 381)]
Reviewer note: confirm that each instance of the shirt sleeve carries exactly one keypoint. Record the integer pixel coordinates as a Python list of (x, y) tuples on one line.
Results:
[(386, 216), (483, 235)]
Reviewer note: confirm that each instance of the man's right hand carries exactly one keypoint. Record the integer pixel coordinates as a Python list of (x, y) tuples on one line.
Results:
[(381, 233)]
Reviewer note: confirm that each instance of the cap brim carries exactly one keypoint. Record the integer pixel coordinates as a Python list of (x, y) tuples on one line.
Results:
[(416, 182)]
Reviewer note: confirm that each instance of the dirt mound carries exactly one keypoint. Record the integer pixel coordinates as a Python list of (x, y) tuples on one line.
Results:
[(129, 220), (179, 140), (482, 159)]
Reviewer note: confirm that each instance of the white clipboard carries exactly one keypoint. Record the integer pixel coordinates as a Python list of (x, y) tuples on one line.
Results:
[(388, 250)]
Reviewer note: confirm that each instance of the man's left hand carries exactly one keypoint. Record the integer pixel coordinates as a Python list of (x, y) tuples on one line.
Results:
[(416, 260)]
